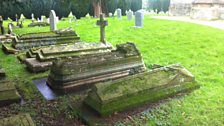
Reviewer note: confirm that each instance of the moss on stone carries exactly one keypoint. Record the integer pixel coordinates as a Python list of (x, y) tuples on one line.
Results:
[(129, 92)]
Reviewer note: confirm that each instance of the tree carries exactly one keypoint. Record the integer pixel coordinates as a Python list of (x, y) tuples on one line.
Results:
[(97, 7)]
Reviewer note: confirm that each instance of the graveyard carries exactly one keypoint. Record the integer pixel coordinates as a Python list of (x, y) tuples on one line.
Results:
[(112, 71)]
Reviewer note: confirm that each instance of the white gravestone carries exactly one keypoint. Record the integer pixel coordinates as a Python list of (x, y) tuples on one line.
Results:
[(119, 13), (139, 16), (130, 15), (53, 21)]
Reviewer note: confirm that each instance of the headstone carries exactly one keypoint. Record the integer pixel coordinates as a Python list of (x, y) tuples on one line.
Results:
[(130, 15), (57, 19), (102, 23), (119, 13), (17, 120), (53, 21), (31, 40), (10, 28), (48, 20), (32, 17), (38, 20), (139, 17), (17, 20), (1, 26), (42, 18), (110, 14)]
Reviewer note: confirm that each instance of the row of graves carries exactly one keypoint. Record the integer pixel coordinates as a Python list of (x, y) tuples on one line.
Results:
[(115, 78)]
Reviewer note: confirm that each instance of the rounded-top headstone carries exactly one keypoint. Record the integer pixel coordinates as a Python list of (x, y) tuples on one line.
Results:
[(53, 20)]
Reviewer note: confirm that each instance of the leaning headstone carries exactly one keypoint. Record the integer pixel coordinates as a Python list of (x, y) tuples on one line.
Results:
[(130, 15), (1, 26), (57, 19), (119, 13), (10, 28), (53, 21), (139, 16)]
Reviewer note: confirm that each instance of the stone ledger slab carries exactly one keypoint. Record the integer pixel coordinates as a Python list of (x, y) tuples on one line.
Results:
[(82, 72), (41, 59), (114, 96), (8, 93), (17, 120), (34, 40)]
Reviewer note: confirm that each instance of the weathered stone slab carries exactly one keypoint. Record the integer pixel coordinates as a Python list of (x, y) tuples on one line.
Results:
[(109, 97), (17, 120), (41, 59), (86, 70), (8, 93), (39, 24), (32, 40)]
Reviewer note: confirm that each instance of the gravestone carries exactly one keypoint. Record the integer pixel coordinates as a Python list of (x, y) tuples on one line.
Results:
[(10, 28), (130, 15), (136, 90), (1, 26), (139, 17), (17, 120), (34, 40), (32, 17), (81, 72), (53, 21), (119, 13), (43, 18), (102, 23)]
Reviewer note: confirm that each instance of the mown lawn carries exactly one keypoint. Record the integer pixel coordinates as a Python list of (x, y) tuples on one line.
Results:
[(199, 48)]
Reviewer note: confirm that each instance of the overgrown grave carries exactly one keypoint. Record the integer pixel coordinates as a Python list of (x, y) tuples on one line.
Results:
[(17, 120), (8, 92)]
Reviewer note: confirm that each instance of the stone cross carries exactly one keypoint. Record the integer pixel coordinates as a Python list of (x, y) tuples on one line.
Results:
[(139, 16), (102, 23), (10, 28), (17, 20), (53, 21), (1, 26)]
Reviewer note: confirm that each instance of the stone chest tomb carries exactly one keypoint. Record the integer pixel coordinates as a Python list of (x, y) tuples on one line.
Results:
[(85, 70)]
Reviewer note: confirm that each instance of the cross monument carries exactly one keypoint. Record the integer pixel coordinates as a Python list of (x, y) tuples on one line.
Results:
[(102, 23)]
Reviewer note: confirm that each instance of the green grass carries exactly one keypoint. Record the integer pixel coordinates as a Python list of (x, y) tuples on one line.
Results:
[(199, 48)]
